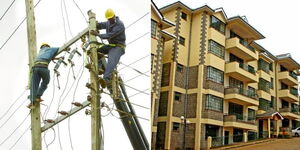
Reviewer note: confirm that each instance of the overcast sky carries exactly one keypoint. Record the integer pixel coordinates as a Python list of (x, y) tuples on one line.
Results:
[(277, 20), (50, 28)]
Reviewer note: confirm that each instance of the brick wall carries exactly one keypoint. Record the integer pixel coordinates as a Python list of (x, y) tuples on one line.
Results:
[(212, 115), (191, 106), (165, 81), (177, 137), (163, 104), (193, 77), (160, 136), (178, 106), (180, 78)]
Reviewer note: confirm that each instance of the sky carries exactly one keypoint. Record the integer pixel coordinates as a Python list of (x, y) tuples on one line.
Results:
[(277, 20), (50, 29)]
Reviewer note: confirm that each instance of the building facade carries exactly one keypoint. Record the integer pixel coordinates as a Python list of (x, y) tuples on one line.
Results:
[(214, 80)]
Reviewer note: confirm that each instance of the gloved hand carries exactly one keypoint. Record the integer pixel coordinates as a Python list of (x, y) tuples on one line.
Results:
[(94, 32)]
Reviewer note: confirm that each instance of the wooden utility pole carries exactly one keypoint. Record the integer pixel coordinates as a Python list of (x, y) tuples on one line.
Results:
[(95, 101), (35, 113)]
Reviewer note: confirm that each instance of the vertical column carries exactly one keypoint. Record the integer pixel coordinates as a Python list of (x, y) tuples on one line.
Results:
[(95, 101), (269, 128), (35, 113)]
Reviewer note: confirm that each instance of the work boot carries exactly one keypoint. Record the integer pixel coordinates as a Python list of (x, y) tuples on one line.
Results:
[(30, 106), (102, 83), (101, 71), (38, 100)]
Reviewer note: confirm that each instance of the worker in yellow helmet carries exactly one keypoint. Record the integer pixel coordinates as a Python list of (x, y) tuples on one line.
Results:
[(115, 34), (40, 72)]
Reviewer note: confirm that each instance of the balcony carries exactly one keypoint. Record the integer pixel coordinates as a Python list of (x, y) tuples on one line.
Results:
[(241, 72), (288, 78), (241, 49), (263, 94), (240, 121), (290, 113), (263, 74), (290, 95), (241, 96)]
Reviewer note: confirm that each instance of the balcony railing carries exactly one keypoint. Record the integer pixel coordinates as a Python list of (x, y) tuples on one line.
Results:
[(289, 109), (244, 43), (242, 91), (239, 117), (247, 68), (294, 91), (293, 75)]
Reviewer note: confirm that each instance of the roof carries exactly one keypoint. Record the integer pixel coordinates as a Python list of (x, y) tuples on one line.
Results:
[(270, 114), (287, 61), (165, 21)]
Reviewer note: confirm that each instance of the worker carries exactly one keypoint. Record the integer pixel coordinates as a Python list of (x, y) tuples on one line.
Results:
[(40, 71), (115, 34)]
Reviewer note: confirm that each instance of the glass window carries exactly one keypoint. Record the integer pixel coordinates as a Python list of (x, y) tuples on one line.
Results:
[(271, 83), (177, 96), (179, 68), (176, 126), (181, 40), (272, 101), (251, 114), (217, 24), (153, 28), (214, 103), (264, 104), (264, 85), (216, 48), (284, 86), (263, 65), (183, 15), (215, 75), (271, 66)]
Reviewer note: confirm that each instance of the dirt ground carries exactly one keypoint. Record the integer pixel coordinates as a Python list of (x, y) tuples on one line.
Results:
[(278, 144)]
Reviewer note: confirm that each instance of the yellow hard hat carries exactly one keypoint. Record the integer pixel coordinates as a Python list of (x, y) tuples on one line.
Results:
[(109, 13), (44, 44)]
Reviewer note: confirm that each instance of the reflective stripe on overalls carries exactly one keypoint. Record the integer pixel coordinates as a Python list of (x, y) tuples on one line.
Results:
[(117, 45)]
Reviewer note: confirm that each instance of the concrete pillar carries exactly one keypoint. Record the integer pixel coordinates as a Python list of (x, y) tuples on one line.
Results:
[(245, 136), (269, 128), (209, 142), (277, 127)]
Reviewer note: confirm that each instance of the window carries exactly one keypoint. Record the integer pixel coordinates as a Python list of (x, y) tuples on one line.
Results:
[(284, 86), (153, 28), (181, 40), (235, 83), (284, 104), (251, 114), (215, 75), (251, 91), (217, 24), (176, 126), (233, 58), (282, 68), (214, 103), (272, 101), (271, 66), (177, 96), (216, 48), (271, 83), (263, 65), (179, 68), (264, 85), (264, 104), (183, 15)]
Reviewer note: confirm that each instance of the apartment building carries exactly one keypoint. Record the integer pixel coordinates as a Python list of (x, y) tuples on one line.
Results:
[(158, 37), (214, 80)]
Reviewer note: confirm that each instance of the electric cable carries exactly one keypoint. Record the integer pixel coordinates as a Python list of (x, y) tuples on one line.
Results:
[(15, 101), (15, 30), (136, 76), (14, 130), (7, 9), (134, 62), (136, 89), (81, 11), (19, 138)]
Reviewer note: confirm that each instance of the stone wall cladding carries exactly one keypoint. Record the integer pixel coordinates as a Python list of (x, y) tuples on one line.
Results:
[(203, 38), (160, 136), (178, 106), (180, 78), (177, 138), (193, 77), (163, 104), (153, 140), (176, 33), (211, 114), (165, 81), (191, 106), (157, 66), (190, 135)]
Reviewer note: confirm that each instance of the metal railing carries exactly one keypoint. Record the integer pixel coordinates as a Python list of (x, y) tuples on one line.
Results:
[(294, 91), (239, 117), (244, 43), (247, 68), (293, 75), (242, 91)]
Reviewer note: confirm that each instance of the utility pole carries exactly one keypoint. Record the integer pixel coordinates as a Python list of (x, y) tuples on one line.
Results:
[(94, 85), (35, 113)]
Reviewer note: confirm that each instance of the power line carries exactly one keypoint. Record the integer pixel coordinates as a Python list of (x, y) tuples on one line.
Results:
[(15, 101), (138, 93), (136, 76), (136, 89), (12, 114), (135, 62), (135, 69), (137, 38), (14, 130), (131, 115), (19, 138), (137, 20), (16, 28), (7, 9), (80, 11)]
